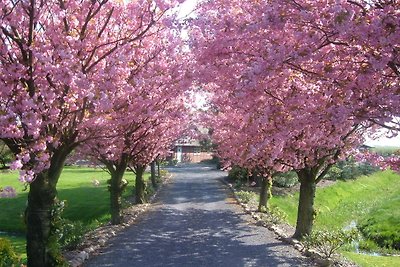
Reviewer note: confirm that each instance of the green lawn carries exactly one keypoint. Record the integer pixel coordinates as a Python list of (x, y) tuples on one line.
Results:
[(385, 150), (374, 196), (85, 201), (372, 261)]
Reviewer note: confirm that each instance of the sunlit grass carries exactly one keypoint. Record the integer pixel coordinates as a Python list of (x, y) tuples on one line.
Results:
[(373, 261), (86, 201), (373, 196)]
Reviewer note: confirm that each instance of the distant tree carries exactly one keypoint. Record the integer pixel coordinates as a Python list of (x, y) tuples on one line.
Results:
[(6, 156)]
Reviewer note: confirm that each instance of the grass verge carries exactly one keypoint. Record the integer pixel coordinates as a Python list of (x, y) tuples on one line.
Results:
[(349, 202), (369, 261), (86, 202)]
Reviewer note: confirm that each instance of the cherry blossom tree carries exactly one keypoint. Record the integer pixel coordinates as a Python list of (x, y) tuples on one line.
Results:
[(134, 138), (333, 66), (61, 62), (147, 115), (239, 132)]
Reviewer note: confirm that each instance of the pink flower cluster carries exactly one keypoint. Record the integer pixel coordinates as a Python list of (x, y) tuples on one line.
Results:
[(79, 71), (298, 86), (8, 192), (390, 162)]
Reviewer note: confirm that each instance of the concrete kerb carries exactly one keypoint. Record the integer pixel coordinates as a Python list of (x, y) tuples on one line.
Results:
[(98, 238)]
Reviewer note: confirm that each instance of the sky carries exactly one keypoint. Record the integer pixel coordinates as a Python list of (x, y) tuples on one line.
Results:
[(384, 141), (186, 8)]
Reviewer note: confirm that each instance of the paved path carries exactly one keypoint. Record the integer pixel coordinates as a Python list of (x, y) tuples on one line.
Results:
[(195, 223)]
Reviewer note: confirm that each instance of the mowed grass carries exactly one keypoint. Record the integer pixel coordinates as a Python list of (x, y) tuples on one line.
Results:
[(356, 200), (370, 261), (85, 201)]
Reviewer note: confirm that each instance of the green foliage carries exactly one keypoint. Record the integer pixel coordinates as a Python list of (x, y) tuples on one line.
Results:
[(173, 162), (56, 230), (149, 190), (386, 151), (326, 243), (65, 234), (238, 174), (6, 156), (382, 225), (71, 234), (206, 145), (163, 173), (8, 257), (368, 245), (335, 173), (350, 169), (246, 196), (287, 179), (273, 215)]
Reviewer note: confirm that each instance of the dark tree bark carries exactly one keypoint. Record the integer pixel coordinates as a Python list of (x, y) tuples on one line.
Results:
[(265, 193), (42, 249), (140, 185), (153, 174), (306, 212), (117, 187), (158, 168)]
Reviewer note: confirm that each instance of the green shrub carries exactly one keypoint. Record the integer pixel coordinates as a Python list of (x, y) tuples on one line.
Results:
[(274, 215), (368, 245), (246, 196), (67, 233), (163, 173), (71, 234), (334, 173), (384, 235), (367, 169), (350, 169), (287, 179), (149, 190), (172, 162), (8, 257), (238, 174), (326, 243)]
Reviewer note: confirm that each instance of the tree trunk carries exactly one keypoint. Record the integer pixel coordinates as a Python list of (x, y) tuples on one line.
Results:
[(265, 193), (158, 169), (41, 247), (153, 174), (305, 213), (116, 189), (140, 186)]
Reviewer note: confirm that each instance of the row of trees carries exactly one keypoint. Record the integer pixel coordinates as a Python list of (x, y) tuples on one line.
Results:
[(96, 76), (297, 84)]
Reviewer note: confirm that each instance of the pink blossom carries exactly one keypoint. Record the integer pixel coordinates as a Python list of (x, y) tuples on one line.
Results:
[(17, 164), (8, 192)]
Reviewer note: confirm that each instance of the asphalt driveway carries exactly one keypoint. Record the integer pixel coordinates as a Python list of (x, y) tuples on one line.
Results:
[(196, 223)]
